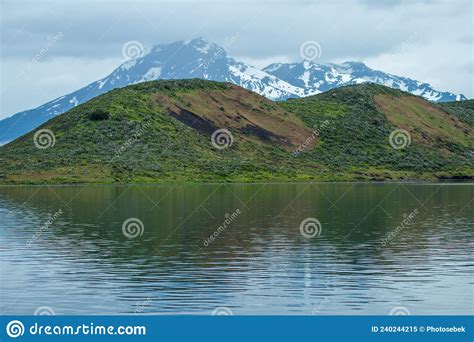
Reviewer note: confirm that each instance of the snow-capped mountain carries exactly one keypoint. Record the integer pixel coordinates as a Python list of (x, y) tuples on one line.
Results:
[(316, 78), (199, 58)]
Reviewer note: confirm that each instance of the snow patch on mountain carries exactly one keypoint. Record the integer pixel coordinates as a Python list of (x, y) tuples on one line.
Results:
[(315, 78)]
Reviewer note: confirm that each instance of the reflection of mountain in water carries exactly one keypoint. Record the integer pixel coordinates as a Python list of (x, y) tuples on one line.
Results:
[(259, 264)]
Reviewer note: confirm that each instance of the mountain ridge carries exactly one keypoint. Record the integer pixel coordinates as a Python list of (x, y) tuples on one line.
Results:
[(348, 73), (206, 131), (199, 58)]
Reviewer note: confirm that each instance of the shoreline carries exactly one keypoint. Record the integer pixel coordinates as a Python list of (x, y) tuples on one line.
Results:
[(469, 181)]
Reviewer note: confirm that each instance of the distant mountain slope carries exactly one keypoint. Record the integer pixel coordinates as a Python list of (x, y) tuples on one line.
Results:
[(199, 58), (316, 78), (196, 130)]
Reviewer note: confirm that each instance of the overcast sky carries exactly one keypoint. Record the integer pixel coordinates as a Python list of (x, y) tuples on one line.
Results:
[(50, 48)]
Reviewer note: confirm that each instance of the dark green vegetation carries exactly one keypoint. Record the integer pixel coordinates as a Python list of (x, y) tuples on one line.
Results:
[(99, 114), (161, 131)]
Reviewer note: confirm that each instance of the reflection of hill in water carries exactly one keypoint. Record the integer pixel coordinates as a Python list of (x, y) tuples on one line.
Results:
[(261, 249)]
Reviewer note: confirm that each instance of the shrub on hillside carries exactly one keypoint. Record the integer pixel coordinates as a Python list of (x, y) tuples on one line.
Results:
[(98, 115)]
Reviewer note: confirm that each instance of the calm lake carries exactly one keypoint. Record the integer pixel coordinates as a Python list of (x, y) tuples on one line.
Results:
[(189, 249)]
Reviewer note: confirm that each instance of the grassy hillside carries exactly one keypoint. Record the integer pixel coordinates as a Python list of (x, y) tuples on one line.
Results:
[(161, 131), (464, 110), (362, 118)]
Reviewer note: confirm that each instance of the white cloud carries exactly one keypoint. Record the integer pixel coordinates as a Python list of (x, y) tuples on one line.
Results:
[(369, 31), (447, 68), (26, 87)]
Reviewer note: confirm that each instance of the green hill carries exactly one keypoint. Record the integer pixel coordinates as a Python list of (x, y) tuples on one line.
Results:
[(162, 131)]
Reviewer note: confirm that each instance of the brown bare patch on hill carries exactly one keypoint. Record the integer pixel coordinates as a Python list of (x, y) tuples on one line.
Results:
[(426, 122), (241, 111)]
